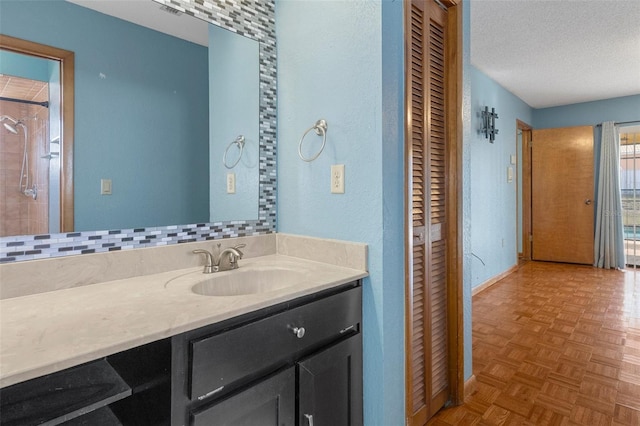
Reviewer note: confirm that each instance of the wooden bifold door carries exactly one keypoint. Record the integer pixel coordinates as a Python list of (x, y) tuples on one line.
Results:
[(431, 152)]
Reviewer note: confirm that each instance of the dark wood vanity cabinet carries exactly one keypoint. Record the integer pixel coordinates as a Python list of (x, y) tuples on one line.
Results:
[(329, 392), (127, 388), (297, 363), (270, 402), (330, 385)]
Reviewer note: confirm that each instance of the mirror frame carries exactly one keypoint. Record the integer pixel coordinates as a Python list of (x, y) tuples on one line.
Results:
[(254, 19)]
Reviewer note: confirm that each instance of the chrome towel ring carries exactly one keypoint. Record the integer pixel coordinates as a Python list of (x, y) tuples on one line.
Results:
[(321, 130), (239, 142)]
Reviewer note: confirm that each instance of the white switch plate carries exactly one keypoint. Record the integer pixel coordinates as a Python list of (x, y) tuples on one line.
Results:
[(337, 179), (105, 186), (231, 183), (509, 174), (514, 160)]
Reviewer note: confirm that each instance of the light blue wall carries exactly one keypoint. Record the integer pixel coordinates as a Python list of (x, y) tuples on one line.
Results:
[(626, 108), (494, 245), (234, 106), (23, 65), (342, 61), (393, 202), (467, 260), (156, 134)]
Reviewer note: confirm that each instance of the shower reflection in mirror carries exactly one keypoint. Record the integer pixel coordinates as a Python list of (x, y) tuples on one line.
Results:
[(29, 158), (25, 187)]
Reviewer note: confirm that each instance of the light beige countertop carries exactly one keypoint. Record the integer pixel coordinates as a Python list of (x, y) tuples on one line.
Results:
[(47, 332)]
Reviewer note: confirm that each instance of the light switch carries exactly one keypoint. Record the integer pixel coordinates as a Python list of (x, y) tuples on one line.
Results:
[(105, 186), (509, 174), (514, 160)]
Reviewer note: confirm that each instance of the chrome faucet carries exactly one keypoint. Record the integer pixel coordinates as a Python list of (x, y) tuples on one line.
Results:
[(215, 263)]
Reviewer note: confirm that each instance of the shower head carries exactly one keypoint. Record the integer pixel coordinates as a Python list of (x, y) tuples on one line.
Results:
[(10, 128)]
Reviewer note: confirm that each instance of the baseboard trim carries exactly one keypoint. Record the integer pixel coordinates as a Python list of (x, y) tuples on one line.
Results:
[(491, 281), (470, 386)]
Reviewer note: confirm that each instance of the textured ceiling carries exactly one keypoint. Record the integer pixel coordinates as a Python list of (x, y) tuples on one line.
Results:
[(546, 52), (558, 52)]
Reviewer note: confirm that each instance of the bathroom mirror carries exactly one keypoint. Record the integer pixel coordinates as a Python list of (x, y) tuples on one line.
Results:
[(144, 127), (234, 103)]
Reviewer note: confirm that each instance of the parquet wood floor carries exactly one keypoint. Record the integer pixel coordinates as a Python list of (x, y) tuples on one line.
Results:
[(555, 344)]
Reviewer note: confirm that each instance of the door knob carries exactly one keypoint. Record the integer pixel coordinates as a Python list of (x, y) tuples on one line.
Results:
[(298, 331), (587, 202)]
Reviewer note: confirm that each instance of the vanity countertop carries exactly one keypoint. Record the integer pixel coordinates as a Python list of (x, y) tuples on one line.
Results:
[(48, 332)]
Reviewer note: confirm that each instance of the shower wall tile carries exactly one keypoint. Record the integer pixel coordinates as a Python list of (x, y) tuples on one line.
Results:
[(251, 18), (14, 208)]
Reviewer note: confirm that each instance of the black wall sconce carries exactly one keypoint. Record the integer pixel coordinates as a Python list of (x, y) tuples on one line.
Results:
[(489, 123)]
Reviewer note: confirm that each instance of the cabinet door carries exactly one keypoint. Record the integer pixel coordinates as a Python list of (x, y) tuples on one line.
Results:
[(330, 387), (269, 403)]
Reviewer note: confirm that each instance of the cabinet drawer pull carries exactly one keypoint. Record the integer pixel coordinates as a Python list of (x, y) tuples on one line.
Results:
[(309, 419), (344, 330), (299, 332), (207, 395)]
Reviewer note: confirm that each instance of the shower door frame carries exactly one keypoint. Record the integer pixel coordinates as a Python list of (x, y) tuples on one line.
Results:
[(66, 60)]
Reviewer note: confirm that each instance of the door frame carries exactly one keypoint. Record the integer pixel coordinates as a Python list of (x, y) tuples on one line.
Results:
[(454, 192), (526, 190), (66, 60)]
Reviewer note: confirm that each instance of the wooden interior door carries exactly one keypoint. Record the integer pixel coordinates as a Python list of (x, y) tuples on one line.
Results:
[(562, 195), (428, 342)]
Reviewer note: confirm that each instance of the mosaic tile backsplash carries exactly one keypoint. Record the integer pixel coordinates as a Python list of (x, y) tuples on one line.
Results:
[(74, 243), (251, 18)]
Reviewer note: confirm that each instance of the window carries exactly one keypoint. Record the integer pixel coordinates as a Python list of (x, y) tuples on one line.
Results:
[(630, 188)]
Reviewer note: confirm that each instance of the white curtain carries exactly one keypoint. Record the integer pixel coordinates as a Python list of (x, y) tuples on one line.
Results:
[(609, 237)]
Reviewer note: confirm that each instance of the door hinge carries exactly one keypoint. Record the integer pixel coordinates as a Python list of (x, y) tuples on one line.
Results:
[(530, 144), (530, 238)]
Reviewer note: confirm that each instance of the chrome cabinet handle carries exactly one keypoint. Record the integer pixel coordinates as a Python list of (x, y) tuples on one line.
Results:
[(309, 419), (299, 332), (587, 201)]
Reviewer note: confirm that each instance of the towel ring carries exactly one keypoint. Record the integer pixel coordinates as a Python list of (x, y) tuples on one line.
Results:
[(239, 142), (321, 130)]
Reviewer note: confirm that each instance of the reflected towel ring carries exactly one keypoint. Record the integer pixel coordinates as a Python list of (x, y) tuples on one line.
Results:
[(321, 130), (239, 142)]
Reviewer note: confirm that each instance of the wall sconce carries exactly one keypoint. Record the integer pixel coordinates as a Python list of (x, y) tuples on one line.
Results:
[(489, 123)]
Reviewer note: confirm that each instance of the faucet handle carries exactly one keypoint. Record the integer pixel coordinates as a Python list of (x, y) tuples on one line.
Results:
[(208, 267), (238, 247)]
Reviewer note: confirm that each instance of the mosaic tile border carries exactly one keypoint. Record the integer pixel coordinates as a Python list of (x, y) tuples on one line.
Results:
[(251, 18), (75, 243)]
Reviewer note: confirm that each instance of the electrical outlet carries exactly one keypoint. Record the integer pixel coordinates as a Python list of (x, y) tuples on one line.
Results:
[(231, 183), (337, 179)]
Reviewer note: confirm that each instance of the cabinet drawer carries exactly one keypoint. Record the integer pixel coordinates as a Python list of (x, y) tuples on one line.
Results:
[(219, 360)]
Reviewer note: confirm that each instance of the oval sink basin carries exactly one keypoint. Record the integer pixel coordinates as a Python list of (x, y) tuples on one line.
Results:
[(248, 281)]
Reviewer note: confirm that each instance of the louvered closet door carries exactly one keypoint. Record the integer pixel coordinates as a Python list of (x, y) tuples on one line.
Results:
[(428, 385)]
